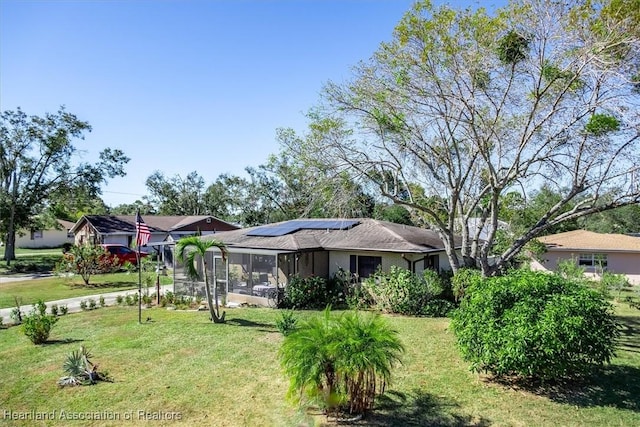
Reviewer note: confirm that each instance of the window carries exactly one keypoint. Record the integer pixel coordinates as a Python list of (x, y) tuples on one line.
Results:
[(364, 266), (432, 263), (593, 260), (36, 234)]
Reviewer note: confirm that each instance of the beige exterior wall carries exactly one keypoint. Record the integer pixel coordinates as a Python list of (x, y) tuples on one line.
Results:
[(338, 259), (627, 263), (43, 239)]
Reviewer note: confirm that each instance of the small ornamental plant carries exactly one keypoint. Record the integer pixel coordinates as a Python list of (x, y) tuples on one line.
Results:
[(341, 362), (37, 324), (80, 370)]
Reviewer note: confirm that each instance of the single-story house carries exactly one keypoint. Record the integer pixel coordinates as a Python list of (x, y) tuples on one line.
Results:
[(617, 253), (121, 229), (53, 237), (263, 257)]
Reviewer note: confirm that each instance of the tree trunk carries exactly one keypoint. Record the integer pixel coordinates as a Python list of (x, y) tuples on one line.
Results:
[(10, 244), (213, 311), (217, 318)]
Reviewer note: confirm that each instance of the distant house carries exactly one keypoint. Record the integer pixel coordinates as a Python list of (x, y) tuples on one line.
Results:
[(260, 258), (121, 229), (617, 253), (46, 238)]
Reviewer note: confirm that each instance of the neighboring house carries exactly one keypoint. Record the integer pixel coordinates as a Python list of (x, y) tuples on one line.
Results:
[(259, 258), (47, 238), (121, 229), (617, 253)]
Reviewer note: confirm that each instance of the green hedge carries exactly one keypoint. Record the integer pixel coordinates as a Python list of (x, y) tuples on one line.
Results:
[(534, 324)]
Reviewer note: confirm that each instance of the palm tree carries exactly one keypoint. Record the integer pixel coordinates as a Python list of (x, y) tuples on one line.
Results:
[(341, 362), (187, 249)]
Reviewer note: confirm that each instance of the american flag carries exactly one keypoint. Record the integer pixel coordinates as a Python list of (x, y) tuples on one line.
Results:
[(142, 231)]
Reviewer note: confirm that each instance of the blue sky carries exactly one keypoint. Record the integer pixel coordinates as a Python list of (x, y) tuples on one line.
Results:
[(183, 85)]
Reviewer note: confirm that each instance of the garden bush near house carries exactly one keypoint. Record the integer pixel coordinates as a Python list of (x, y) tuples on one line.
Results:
[(306, 293), (358, 298), (64, 310), (403, 292), (534, 324), (340, 362), (570, 269), (464, 278), (37, 324)]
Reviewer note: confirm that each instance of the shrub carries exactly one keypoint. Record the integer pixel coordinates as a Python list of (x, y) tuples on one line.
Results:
[(146, 300), (308, 292), (400, 291), (611, 282), (101, 301), (37, 324), (86, 260), (358, 298), (64, 309), (83, 305), (54, 309), (286, 324), (16, 312), (438, 308), (119, 299), (92, 304), (340, 362), (464, 278), (534, 324)]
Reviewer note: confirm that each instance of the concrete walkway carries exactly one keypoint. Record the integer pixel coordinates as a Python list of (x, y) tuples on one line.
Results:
[(73, 304)]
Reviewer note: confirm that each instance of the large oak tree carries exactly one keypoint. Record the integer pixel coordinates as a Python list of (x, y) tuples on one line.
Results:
[(462, 107), (38, 160)]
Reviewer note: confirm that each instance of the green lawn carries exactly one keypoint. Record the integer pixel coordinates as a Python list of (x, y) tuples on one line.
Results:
[(55, 288), (228, 375), (31, 261)]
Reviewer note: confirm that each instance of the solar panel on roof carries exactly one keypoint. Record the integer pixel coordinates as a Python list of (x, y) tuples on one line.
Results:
[(295, 225)]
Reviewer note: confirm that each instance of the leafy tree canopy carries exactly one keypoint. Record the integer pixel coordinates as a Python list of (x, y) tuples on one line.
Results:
[(39, 164), (463, 110)]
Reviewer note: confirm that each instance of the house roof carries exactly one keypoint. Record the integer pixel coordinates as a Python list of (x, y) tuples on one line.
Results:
[(110, 224), (588, 240), (66, 225), (366, 235)]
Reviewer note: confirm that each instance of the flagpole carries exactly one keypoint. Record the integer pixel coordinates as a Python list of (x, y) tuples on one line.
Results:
[(139, 267)]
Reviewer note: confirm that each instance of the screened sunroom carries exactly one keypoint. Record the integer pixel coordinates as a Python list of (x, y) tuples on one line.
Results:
[(241, 277)]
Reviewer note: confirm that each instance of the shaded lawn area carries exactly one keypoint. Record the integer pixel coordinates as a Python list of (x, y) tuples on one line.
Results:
[(55, 288), (31, 261), (228, 375)]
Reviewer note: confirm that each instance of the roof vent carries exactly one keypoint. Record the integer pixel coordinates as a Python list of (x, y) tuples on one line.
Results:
[(209, 220)]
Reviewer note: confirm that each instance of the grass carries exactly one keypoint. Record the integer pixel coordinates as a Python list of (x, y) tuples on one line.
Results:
[(55, 288), (228, 375), (31, 261)]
